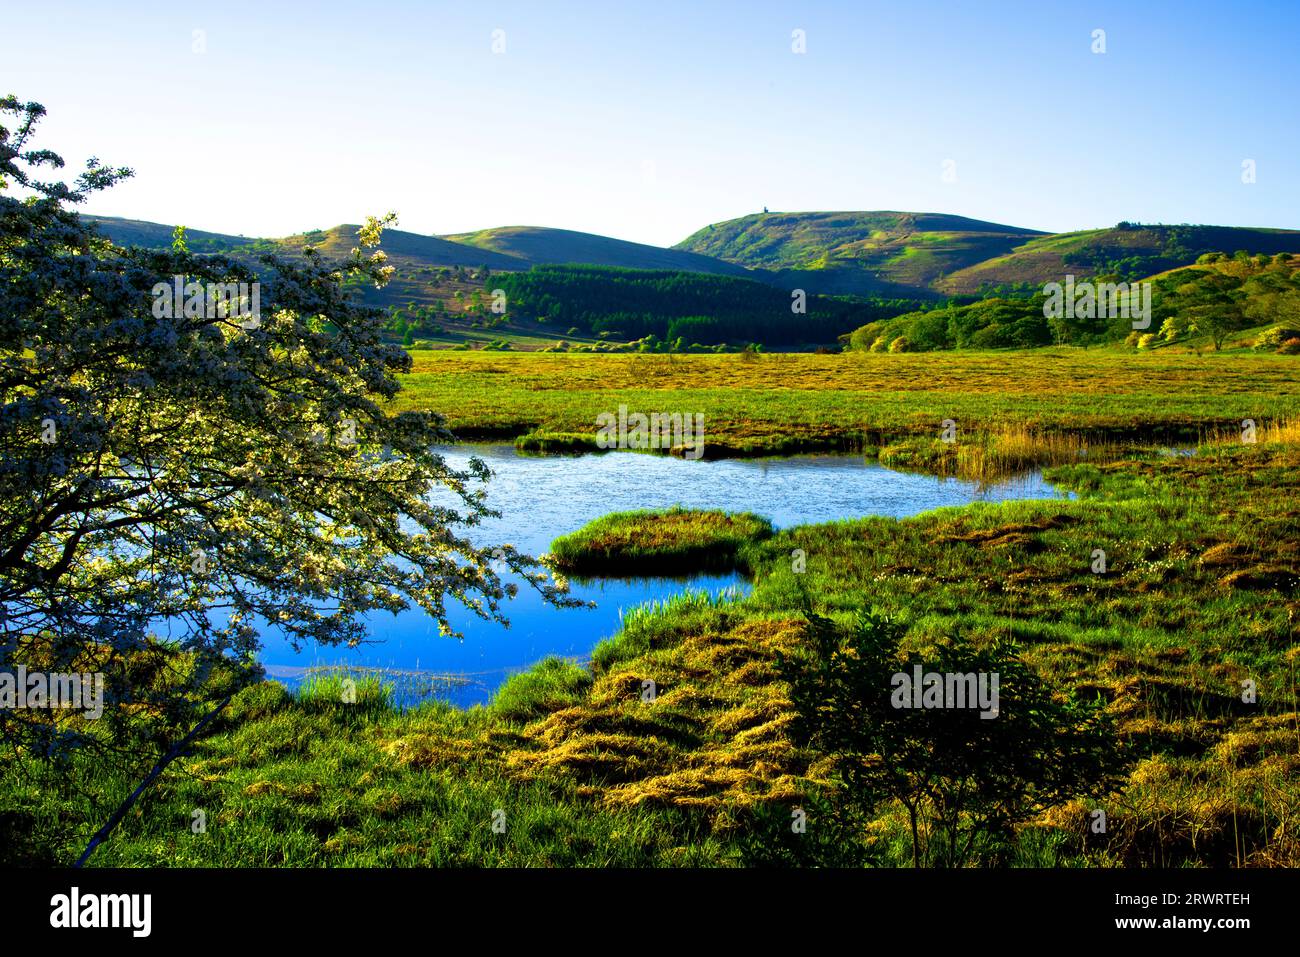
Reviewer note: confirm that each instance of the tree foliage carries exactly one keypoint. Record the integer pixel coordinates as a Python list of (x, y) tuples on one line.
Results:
[(170, 488), (698, 307), (1224, 295)]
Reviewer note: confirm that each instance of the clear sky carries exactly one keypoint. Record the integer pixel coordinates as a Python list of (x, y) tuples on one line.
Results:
[(647, 119)]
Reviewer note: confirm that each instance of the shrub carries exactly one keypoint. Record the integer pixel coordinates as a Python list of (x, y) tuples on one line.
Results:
[(1148, 341), (965, 780), (928, 331), (901, 344), (1275, 336), (1173, 328), (864, 337), (1290, 348)]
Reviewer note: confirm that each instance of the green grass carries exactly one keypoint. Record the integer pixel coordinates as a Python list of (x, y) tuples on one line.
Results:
[(550, 685), (785, 403), (311, 781), (674, 542), (540, 441)]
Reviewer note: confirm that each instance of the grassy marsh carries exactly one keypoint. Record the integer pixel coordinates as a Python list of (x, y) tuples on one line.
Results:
[(1198, 596)]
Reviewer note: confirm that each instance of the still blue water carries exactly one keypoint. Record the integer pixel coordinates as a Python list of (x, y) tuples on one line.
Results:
[(543, 497)]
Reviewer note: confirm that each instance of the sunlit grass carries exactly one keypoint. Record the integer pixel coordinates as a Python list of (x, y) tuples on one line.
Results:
[(677, 541), (798, 402)]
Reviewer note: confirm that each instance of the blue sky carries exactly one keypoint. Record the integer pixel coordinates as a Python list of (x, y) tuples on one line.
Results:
[(648, 120)]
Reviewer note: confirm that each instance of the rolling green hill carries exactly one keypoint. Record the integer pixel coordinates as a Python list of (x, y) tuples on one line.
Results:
[(1131, 251), (429, 270), (137, 232), (421, 261), (898, 253), (889, 255), (404, 247), (1221, 301), (886, 252), (334, 242), (538, 245)]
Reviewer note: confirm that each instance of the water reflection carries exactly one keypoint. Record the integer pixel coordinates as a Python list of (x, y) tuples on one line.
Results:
[(542, 497)]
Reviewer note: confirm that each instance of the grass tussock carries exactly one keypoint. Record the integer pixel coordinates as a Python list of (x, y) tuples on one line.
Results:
[(540, 442), (678, 541)]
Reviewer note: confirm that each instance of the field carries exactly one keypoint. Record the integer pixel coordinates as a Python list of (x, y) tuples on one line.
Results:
[(785, 402), (1198, 596)]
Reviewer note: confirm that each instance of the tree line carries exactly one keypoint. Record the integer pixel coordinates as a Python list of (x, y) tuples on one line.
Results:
[(694, 307), (1221, 295)]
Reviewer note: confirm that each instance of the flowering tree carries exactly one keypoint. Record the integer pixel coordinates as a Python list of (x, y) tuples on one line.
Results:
[(204, 466)]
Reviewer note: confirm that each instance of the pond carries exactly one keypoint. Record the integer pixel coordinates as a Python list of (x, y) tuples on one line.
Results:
[(543, 497)]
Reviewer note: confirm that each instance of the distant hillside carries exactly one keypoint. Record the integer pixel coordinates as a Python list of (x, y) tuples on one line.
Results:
[(422, 264), (421, 261), (885, 252), (1132, 251), (1236, 301), (334, 242), (429, 270), (402, 246), (442, 282), (900, 254), (137, 232), (538, 245)]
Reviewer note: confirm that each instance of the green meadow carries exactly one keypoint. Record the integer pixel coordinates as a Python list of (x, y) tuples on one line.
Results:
[(757, 404)]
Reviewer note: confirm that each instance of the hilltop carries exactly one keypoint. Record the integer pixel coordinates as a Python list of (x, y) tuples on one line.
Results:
[(883, 252), (538, 244), (431, 269), (139, 232)]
